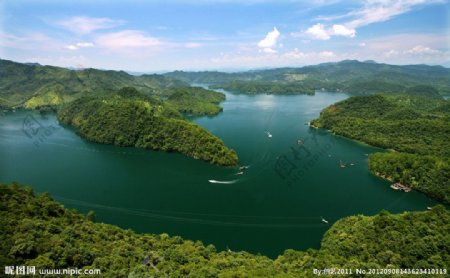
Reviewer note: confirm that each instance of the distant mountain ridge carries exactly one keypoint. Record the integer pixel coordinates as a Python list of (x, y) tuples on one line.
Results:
[(349, 75), (32, 85)]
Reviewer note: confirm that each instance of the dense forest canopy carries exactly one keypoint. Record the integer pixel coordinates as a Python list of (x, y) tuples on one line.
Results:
[(40, 232), (417, 128), (129, 118)]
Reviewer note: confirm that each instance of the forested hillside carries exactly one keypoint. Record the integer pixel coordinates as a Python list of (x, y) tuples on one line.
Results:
[(417, 128), (195, 101), (37, 231), (129, 118), (33, 85), (350, 76)]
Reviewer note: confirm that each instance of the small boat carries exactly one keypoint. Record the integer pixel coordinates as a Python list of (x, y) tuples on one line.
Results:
[(299, 141), (239, 173), (269, 134), (323, 220), (342, 164), (244, 167), (429, 208), (351, 164), (222, 182)]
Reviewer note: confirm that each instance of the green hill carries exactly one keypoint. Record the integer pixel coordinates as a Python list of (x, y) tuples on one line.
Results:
[(195, 101), (417, 128), (33, 85), (37, 231), (129, 118)]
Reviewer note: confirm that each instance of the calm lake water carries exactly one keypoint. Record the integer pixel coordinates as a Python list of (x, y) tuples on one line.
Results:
[(276, 204)]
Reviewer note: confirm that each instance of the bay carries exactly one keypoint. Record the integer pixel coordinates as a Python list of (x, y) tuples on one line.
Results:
[(293, 180)]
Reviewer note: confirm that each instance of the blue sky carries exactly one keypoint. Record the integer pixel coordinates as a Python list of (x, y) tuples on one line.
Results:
[(153, 36)]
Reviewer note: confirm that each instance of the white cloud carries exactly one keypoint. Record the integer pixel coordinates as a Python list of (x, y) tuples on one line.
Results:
[(81, 25), (294, 57), (85, 44), (326, 54), (391, 53), (72, 47), (382, 10), (31, 41), (269, 50), (372, 11), (318, 31), (127, 39), (79, 45), (295, 54), (341, 30), (270, 41), (420, 49)]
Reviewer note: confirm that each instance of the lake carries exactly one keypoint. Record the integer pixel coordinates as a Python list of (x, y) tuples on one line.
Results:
[(293, 180)]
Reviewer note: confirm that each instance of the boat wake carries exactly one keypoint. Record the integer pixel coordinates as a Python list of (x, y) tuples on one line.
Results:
[(223, 182)]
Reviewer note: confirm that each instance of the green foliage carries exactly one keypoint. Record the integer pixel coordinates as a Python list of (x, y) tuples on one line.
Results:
[(429, 174), (423, 90), (195, 101), (33, 85), (39, 231), (417, 126), (376, 239), (141, 121)]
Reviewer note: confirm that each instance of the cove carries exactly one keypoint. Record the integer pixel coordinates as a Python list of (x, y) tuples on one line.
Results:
[(276, 204)]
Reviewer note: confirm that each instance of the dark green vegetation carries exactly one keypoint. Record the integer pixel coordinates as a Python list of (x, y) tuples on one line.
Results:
[(195, 101), (263, 87), (425, 173), (38, 231), (129, 118), (148, 107), (417, 128), (350, 76), (33, 85)]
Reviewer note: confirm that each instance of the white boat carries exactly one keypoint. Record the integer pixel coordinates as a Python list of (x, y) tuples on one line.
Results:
[(222, 182), (239, 173), (323, 220), (269, 134)]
